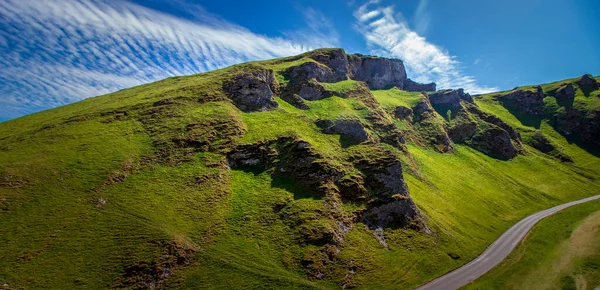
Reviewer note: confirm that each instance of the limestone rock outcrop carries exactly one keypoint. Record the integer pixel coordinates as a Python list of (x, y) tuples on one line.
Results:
[(391, 205), (334, 65), (489, 118), (579, 124), (587, 82), (565, 94), (313, 91), (540, 142), (398, 213), (379, 73), (402, 112), (289, 156), (253, 90), (312, 70), (383, 177), (524, 101), (335, 59), (495, 142), (351, 129), (431, 126), (412, 86), (373, 178), (449, 98), (462, 128)]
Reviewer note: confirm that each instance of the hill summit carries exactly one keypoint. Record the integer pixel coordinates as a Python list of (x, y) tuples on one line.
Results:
[(322, 170)]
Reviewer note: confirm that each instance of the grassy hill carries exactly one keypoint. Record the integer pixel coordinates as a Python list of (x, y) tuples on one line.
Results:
[(189, 183)]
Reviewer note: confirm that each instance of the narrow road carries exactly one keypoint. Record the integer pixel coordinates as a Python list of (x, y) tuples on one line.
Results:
[(496, 252)]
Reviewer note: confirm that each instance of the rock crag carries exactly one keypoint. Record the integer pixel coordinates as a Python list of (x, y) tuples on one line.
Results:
[(524, 101), (334, 65), (253, 90)]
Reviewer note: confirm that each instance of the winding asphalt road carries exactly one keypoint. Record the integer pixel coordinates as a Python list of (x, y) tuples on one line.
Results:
[(496, 252)]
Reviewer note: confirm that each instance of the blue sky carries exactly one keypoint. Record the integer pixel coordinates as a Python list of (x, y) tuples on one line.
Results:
[(55, 52)]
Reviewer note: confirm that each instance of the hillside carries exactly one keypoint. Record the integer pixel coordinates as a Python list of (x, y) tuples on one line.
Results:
[(323, 170)]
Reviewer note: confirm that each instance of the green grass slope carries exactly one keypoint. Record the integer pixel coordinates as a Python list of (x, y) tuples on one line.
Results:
[(561, 252), (133, 190)]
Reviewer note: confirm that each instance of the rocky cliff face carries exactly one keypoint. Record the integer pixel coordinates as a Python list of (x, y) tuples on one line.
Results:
[(430, 126), (575, 120), (377, 72), (253, 90), (350, 129), (579, 124), (570, 106), (524, 101), (441, 119), (449, 98), (588, 83), (412, 86)]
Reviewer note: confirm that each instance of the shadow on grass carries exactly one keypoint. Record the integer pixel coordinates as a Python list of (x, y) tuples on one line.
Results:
[(346, 142), (587, 90), (567, 103), (447, 112), (256, 170), (589, 148), (290, 184), (527, 119)]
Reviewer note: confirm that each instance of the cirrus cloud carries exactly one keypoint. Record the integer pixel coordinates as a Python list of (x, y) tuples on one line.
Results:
[(54, 52)]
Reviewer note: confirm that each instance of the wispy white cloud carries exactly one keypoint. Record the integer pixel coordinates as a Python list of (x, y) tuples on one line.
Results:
[(422, 18), (317, 31), (56, 52), (385, 34)]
